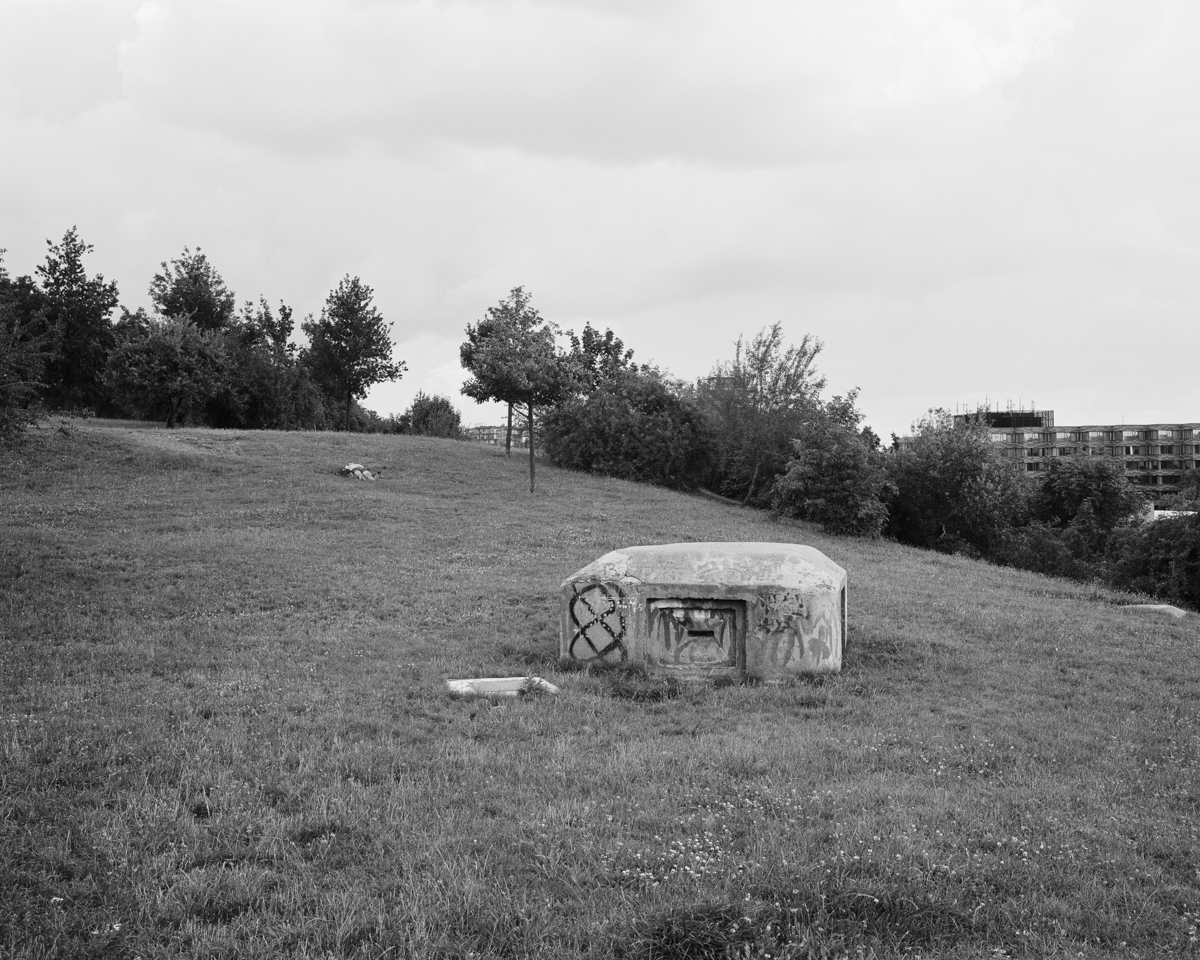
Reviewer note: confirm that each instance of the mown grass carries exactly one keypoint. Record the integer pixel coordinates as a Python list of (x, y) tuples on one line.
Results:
[(223, 730)]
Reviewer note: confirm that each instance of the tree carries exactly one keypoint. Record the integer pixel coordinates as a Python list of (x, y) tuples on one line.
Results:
[(1161, 558), (502, 327), (757, 403), (513, 358), (598, 358), (836, 476), (350, 348), (23, 353), (77, 311), (1187, 493), (169, 372), (953, 490), (635, 425), (430, 416), (1093, 486), (190, 286), (267, 387)]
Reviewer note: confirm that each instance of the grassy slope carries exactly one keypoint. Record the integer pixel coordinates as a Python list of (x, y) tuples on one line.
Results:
[(222, 729)]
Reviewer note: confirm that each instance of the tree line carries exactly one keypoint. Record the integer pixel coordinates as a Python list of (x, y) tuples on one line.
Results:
[(758, 431), (196, 357), (755, 430)]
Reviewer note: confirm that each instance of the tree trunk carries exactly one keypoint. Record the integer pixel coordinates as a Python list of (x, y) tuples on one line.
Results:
[(750, 489), (508, 434), (531, 446), (349, 398)]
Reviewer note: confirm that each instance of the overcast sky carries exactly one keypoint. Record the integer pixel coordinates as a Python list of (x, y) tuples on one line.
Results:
[(964, 200)]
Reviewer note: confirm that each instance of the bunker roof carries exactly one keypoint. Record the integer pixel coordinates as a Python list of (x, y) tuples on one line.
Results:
[(748, 564)]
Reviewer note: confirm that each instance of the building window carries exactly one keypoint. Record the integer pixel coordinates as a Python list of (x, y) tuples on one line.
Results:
[(999, 438), (1096, 436), (1166, 449)]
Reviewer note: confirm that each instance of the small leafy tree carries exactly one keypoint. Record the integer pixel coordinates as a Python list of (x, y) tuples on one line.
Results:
[(598, 358), (500, 332), (78, 308), (836, 476), (168, 373), (953, 490), (635, 425), (512, 357), (189, 286), (430, 416), (756, 403), (350, 348)]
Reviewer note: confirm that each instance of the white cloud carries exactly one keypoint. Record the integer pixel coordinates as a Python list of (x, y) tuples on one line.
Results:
[(752, 82), (902, 178)]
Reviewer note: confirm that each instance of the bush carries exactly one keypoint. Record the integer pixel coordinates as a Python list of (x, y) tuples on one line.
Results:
[(1161, 558), (756, 404), (1053, 551), (22, 361), (634, 427), (430, 416), (952, 489), (1095, 488), (169, 373), (836, 476)]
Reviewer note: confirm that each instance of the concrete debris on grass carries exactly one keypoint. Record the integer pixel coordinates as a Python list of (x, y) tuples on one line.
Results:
[(500, 686), (358, 472), (1164, 608)]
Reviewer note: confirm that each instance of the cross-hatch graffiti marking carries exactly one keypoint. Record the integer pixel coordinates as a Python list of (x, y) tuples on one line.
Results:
[(599, 622)]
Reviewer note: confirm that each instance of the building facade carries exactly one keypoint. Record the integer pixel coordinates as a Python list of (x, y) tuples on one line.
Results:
[(495, 435), (1156, 455)]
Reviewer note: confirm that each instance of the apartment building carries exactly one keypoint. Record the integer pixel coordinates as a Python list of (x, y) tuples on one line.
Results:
[(1155, 455)]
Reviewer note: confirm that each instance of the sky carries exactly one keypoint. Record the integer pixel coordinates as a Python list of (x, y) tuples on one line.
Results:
[(965, 201)]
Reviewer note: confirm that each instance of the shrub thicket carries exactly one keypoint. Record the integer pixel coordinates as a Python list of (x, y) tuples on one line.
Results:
[(756, 405), (1161, 558), (635, 426), (952, 489), (837, 477), (430, 416)]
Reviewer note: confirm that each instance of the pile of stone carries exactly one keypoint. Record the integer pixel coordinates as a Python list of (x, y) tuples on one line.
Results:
[(358, 472)]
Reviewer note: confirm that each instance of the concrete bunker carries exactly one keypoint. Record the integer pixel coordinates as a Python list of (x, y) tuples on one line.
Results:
[(707, 610)]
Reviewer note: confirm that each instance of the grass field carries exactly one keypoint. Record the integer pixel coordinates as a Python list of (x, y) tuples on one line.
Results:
[(223, 730)]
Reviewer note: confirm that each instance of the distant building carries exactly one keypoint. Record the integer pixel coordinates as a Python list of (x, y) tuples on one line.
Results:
[(1155, 455), (495, 435)]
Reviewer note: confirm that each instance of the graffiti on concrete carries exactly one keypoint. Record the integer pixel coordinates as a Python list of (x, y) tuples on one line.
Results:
[(597, 622)]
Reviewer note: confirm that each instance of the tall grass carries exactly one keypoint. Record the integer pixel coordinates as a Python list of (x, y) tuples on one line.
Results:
[(223, 730)]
